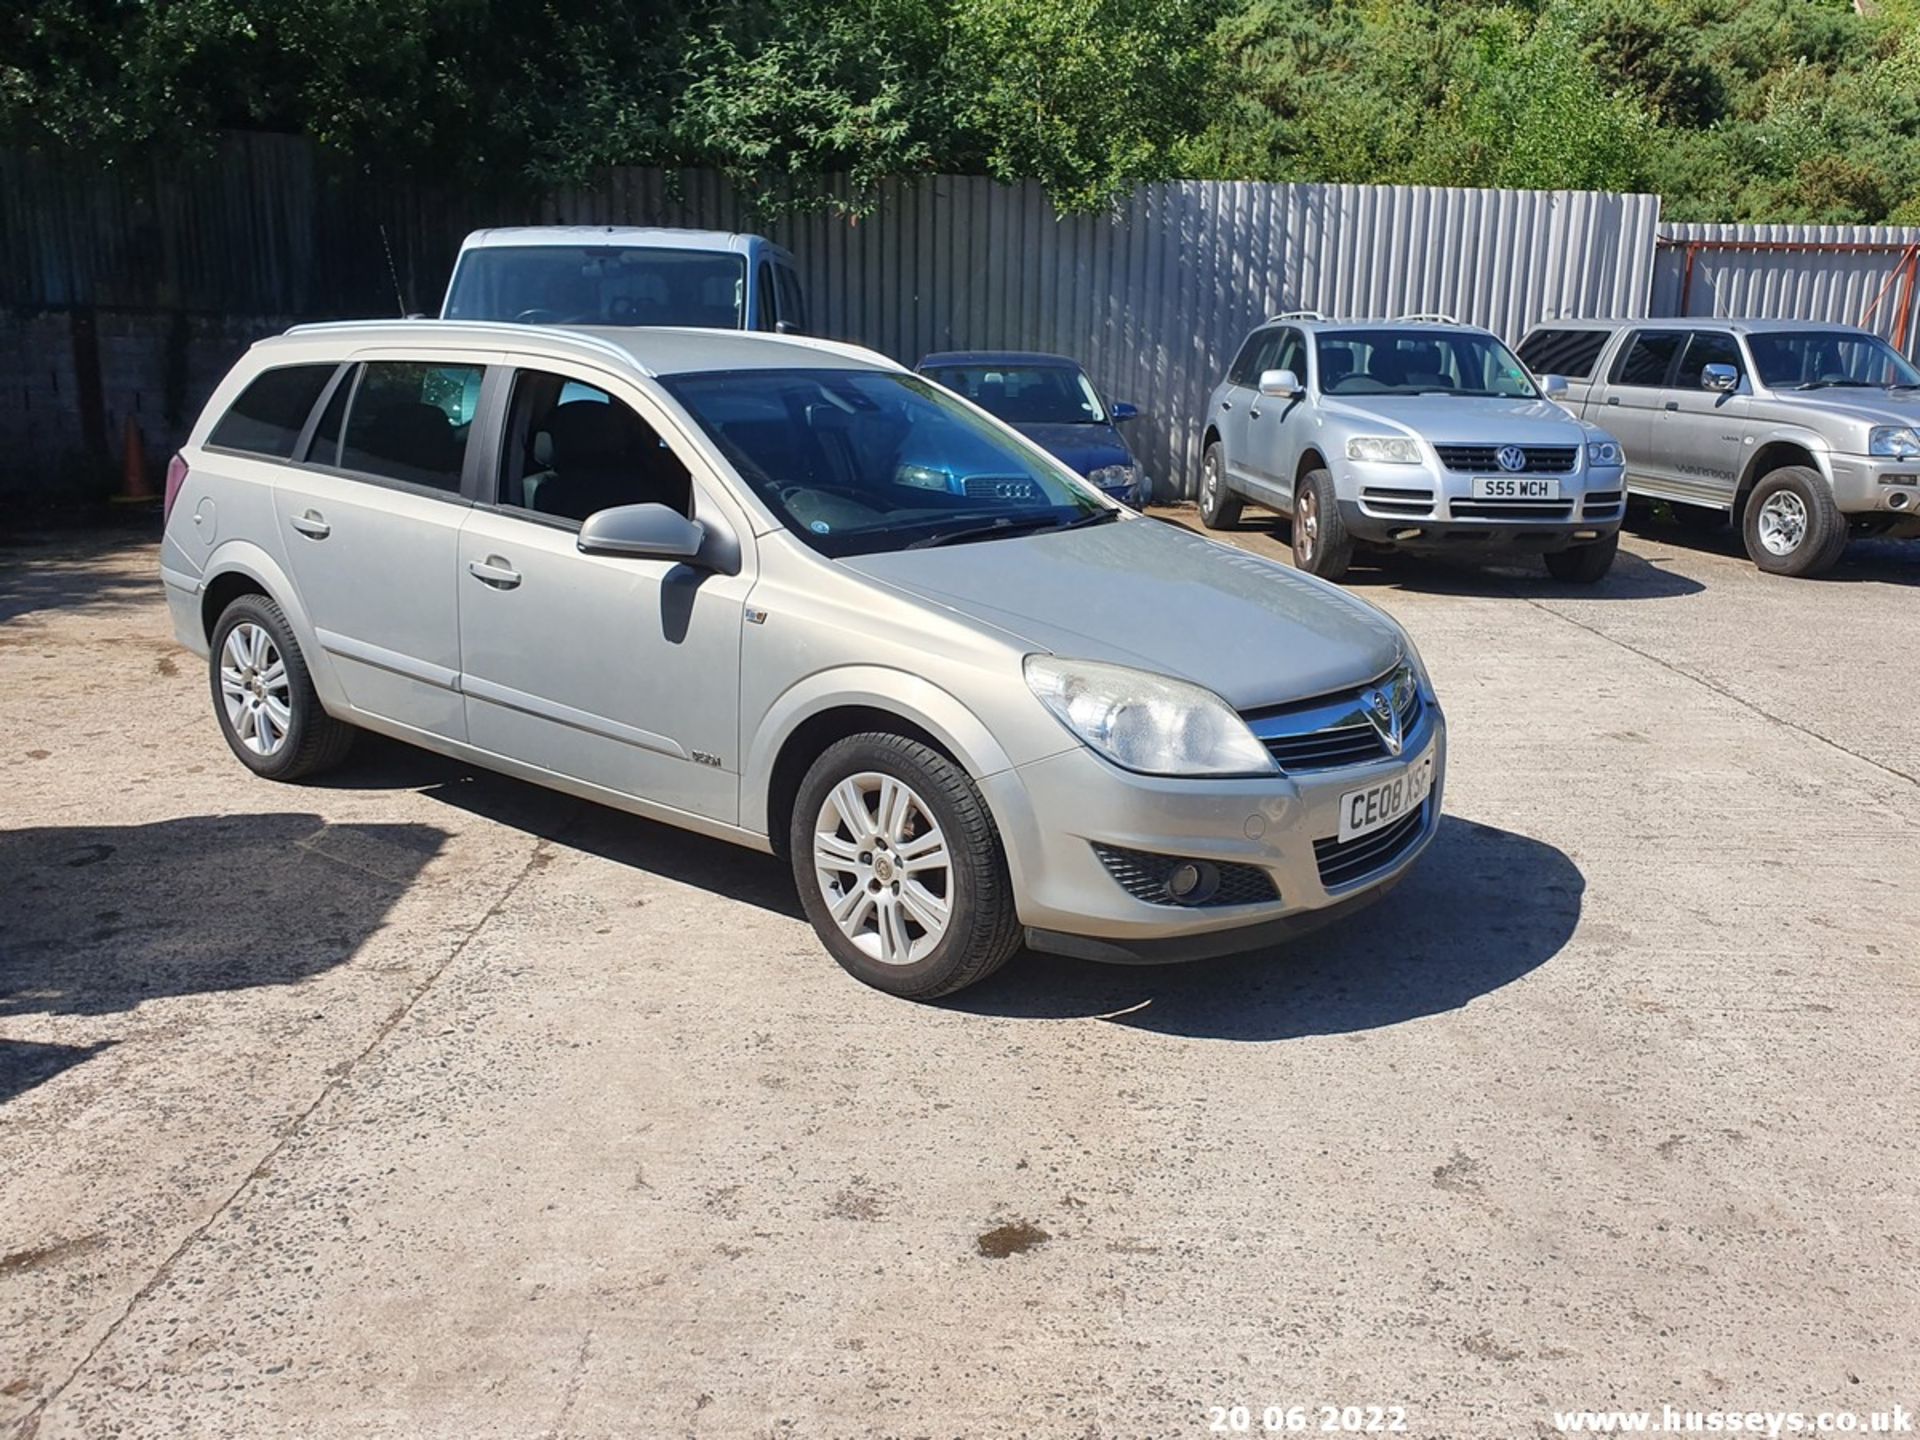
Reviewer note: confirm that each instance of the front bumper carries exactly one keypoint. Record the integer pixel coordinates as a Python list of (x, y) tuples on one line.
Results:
[(1053, 812), (1422, 507), (1876, 487)]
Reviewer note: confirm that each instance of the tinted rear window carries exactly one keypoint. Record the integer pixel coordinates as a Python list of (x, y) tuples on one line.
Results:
[(1563, 352), (271, 412)]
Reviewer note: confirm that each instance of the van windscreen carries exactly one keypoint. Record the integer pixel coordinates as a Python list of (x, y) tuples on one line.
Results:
[(599, 285)]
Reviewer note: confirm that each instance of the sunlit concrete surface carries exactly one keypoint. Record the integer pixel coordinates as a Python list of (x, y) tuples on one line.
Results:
[(423, 1102)]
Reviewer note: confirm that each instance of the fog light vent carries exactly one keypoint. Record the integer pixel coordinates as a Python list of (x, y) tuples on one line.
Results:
[(1178, 880)]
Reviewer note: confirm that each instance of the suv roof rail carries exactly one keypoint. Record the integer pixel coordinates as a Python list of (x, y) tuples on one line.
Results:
[(1296, 315), (1426, 317), (490, 328)]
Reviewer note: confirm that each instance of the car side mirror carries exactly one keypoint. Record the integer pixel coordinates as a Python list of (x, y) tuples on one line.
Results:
[(1553, 386), (1121, 410), (652, 532), (1723, 378), (1280, 384)]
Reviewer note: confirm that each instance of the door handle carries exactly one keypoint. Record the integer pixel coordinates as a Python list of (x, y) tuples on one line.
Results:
[(1673, 404), (311, 525), (1226, 404), (494, 571), (1613, 399), (1253, 414)]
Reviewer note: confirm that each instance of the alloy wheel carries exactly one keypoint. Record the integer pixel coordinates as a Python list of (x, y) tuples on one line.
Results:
[(1306, 524), (255, 690), (1783, 522), (883, 867)]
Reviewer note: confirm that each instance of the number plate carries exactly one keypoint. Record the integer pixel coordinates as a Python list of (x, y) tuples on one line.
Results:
[(1385, 801), (1516, 487)]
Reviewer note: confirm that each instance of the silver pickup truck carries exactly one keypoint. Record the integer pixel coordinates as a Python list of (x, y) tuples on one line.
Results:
[(1802, 434)]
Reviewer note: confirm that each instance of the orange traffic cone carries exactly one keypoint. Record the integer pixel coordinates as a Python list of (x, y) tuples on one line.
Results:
[(135, 489)]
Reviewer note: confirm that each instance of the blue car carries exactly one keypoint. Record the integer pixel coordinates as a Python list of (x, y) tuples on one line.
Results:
[(1049, 399)]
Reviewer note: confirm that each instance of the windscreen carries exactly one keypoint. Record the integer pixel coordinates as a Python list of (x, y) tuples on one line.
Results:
[(1419, 361), (1025, 394), (855, 461), (600, 285), (1813, 359)]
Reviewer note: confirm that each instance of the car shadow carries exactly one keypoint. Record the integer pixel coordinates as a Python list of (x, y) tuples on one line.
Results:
[(628, 840), (1633, 577), (26, 1063), (97, 919), (1869, 560), (64, 573), (1482, 908)]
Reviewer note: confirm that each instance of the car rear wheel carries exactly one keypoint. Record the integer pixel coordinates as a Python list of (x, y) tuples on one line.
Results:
[(1219, 506), (264, 698), (900, 867), (1584, 564), (1791, 525), (1321, 544)]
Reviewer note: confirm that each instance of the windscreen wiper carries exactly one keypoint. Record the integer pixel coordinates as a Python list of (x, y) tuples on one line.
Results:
[(1006, 525), (1836, 384)]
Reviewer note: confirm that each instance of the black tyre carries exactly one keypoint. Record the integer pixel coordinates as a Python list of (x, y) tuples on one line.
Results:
[(264, 698), (900, 867), (1701, 519), (1321, 544), (1219, 506), (1584, 564), (1791, 525)]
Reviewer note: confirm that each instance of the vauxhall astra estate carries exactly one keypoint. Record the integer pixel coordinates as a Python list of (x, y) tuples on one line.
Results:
[(784, 592)]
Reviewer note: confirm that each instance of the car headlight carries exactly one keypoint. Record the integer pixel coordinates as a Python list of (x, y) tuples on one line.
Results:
[(1150, 723), (1603, 452), (1900, 441), (1116, 477), (1384, 449)]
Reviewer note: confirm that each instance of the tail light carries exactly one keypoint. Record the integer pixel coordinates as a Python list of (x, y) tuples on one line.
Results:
[(176, 477)]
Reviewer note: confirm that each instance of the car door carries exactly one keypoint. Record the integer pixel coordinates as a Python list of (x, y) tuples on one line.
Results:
[(1237, 401), (1273, 424), (1633, 394), (1697, 437), (369, 523), (619, 671)]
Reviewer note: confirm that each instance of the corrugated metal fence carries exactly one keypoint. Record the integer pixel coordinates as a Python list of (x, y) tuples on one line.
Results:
[(1152, 297), (1852, 274)]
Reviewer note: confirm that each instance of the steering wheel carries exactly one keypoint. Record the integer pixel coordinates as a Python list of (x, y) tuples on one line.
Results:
[(537, 316)]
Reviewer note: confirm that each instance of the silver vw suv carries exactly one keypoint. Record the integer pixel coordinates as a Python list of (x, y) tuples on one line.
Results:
[(783, 592), (1418, 433)]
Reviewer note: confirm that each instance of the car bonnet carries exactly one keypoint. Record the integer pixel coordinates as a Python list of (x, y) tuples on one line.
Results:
[(1154, 596)]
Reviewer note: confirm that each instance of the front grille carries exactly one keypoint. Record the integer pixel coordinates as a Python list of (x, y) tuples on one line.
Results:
[(1144, 875), (1485, 459), (1333, 731), (1386, 500), (1002, 487), (1511, 509), (1364, 855)]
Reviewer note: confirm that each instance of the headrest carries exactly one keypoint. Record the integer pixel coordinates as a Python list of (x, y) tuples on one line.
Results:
[(583, 432)]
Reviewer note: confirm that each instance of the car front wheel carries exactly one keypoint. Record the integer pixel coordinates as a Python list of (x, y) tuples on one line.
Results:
[(1321, 544), (1584, 564), (900, 867), (1219, 506), (1791, 525)]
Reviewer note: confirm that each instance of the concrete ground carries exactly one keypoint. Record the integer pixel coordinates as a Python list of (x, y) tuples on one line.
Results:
[(423, 1102)]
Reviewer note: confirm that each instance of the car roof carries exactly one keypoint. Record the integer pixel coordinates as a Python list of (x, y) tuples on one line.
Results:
[(1745, 325), (651, 350), (942, 358), (638, 236)]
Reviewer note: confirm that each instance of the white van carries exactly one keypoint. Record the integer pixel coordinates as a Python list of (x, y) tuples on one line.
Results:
[(626, 275)]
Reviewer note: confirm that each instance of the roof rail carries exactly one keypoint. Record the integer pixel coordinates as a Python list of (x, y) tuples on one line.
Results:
[(500, 329), (1296, 315), (1426, 317)]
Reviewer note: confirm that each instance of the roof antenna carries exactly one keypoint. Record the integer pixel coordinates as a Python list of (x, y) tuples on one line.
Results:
[(398, 295)]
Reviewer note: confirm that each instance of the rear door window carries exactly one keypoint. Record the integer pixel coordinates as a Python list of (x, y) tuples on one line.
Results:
[(271, 412), (1648, 358), (409, 421), (1563, 352)]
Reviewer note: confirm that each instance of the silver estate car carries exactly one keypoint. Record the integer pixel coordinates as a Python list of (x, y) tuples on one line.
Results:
[(783, 592), (1411, 434), (1802, 434)]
